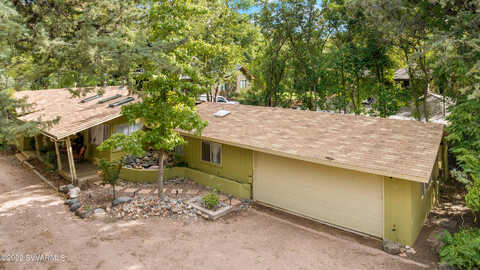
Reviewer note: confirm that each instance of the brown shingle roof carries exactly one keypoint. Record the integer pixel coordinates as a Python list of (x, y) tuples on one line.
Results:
[(74, 116), (401, 75), (398, 148)]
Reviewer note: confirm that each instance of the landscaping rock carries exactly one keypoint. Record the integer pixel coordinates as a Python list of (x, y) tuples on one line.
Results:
[(410, 251), (391, 247), (69, 202), (121, 200), (66, 188), (84, 213), (75, 206), (74, 193), (446, 266), (99, 213)]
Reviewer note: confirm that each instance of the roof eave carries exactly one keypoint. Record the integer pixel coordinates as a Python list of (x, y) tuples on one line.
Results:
[(317, 161)]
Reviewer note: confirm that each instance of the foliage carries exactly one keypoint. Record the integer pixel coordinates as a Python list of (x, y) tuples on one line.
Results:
[(52, 44), (51, 158), (211, 199), (10, 126), (462, 249), (110, 173), (472, 198), (464, 141), (168, 86)]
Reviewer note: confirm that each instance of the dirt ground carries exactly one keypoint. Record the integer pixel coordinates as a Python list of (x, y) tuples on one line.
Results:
[(33, 220)]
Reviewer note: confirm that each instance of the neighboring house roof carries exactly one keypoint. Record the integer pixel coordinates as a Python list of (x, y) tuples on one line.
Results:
[(401, 75), (396, 148), (242, 69), (437, 110), (74, 115)]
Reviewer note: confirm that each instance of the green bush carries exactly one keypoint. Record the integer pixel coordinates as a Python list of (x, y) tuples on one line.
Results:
[(110, 173), (211, 200), (51, 158), (462, 249)]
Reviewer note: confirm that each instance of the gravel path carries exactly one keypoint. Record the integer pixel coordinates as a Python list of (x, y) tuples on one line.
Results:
[(33, 220)]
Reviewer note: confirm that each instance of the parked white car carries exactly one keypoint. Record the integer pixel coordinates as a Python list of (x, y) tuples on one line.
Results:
[(220, 99)]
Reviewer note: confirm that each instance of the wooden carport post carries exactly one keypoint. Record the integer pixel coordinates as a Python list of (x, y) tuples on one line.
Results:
[(37, 146), (71, 163), (59, 158), (446, 173)]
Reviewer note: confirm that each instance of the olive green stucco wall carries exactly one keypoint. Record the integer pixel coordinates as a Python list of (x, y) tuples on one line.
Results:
[(93, 154), (241, 190), (405, 210), (237, 163)]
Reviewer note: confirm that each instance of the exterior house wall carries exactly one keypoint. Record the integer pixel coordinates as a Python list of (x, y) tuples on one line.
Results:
[(91, 154), (116, 154), (405, 208), (239, 77), (237, 163)]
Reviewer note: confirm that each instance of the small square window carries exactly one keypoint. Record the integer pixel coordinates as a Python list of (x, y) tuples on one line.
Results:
[(180, 150), (243, 84), (212, 152)]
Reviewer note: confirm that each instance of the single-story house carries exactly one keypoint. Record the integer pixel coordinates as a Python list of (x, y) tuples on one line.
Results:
[(85, 122), (372, 176), (369, 175)]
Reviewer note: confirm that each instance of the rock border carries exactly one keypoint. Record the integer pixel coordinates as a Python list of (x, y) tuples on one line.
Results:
[(212, 215)]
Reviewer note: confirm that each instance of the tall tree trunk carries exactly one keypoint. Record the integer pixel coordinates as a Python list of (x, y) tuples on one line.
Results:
[(114, 195), (426, 86), (160, 174), (216, 93), (344, 90)]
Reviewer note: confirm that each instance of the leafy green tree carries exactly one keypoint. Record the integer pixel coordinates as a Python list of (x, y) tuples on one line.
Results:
[(221, 39), (110, 173), (68, 42), (10, 126), (164, 109), (167, 87)]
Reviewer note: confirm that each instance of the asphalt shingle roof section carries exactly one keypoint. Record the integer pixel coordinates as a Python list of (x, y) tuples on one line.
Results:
[(398, 148), (74, 115)]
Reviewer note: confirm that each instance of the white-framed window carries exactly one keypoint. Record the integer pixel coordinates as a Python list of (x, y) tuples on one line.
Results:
[(98, 134), (212, 152), (243, 84), (128, 129), (180, 150)]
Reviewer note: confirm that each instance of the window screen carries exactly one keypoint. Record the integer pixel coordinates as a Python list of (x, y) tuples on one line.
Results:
[(212, 152), (206, 151), (128, 129)]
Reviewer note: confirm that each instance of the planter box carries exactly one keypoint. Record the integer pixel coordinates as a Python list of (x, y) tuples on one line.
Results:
[(212, 214)]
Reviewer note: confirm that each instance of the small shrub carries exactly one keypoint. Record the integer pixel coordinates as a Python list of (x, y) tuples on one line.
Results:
[(211, 200), (110, 173), (462, 249)]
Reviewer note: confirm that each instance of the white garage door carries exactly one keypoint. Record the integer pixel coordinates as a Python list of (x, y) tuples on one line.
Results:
[(345, 198)]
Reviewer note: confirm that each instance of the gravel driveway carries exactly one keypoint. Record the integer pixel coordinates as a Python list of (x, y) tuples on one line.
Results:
[(33, 220)]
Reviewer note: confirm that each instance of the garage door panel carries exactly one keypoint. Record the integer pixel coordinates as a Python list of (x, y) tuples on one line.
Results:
[(341, 197)]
